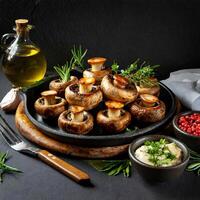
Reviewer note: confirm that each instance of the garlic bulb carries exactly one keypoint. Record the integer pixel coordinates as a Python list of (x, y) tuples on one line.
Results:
[(11, 100)]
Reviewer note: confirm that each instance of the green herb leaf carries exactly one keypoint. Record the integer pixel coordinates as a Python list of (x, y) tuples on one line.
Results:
[(4, 168), (141, 74), (115, 67), (64, 71), (78, 55), (135, 128), (112, 167)]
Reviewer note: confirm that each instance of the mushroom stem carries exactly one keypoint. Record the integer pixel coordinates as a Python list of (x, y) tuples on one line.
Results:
[(114, 113), (96, 67), (50, 100), (78, 117), (85, 88), (85, 85), (49, 97)]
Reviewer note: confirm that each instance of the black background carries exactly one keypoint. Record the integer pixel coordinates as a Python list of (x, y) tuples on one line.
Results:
[(164, 32), (160, 31)]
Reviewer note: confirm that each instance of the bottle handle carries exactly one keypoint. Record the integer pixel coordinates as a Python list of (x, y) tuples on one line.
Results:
[(5, 38)]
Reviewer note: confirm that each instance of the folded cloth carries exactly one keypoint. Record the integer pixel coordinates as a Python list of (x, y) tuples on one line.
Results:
[(186, 86)]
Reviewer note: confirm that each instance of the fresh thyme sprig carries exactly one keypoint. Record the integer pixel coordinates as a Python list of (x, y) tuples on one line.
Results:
[(140, 74), (194, 165), (64, 70), (143, 76), (131, 69), (78, 55), (4, 168), (112, 167), (115, 67)]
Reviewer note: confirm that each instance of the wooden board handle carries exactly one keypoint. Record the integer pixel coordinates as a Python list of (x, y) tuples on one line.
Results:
[(64, 167)]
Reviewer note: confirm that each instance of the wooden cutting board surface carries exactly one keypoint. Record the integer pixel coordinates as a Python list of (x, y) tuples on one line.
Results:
[(33, 134)]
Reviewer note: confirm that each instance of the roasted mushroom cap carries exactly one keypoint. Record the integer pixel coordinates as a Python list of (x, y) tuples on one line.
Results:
[(84, 94), (49, 105), (148, 108), (97, 69), (114, 119), (76, 121), (59, 86), (118, 88), (155, 90)]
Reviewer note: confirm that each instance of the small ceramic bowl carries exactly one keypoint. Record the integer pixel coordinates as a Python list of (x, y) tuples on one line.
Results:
[(158, 174), (191, 141)]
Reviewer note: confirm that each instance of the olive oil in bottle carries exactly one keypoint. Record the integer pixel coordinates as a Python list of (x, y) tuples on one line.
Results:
[(23, 62)]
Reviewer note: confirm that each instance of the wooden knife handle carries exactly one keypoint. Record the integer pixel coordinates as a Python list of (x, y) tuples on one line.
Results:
[(64, 167)]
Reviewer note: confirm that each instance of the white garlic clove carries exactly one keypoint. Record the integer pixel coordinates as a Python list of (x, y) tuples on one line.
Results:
[(11, 100)]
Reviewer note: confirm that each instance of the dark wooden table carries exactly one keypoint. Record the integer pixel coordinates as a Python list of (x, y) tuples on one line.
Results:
[(40, 182)]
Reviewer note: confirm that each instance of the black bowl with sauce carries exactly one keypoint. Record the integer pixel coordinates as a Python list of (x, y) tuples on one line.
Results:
[(153, 173)]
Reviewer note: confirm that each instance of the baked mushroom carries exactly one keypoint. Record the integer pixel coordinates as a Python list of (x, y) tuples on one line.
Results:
[(60, 85), (84, 94), (97, 70), (76, 120), (114, 119), (148, 108), (118, 88), (49, 105), (153, 90)]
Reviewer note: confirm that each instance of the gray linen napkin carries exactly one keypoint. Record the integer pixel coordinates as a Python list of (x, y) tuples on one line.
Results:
[(186, 86)]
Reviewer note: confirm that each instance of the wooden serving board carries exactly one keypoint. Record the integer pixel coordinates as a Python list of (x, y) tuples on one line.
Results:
[(33, 134)]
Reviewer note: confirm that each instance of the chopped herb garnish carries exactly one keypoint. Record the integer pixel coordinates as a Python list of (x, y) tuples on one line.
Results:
[(159, 152)]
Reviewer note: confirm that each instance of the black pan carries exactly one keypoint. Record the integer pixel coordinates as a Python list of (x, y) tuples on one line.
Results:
[(97, 137)]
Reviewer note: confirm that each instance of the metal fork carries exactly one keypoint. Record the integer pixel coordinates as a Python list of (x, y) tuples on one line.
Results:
[(16, 142)]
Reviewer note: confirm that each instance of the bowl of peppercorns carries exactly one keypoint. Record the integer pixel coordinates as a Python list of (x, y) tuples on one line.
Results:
[(187, 128)]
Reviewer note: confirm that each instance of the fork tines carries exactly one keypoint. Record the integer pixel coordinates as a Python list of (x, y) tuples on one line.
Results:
[(8, 133)]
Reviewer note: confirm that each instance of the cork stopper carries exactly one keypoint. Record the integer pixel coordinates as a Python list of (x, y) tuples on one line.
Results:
[(21, 24)]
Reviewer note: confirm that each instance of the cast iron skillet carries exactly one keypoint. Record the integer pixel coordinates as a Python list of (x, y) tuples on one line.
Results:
[(97, 137)]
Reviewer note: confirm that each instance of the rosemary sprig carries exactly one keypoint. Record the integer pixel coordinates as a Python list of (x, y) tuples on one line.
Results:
[(4, 168), (194, 165), (64, 70), (78, 55), (112, 167)]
